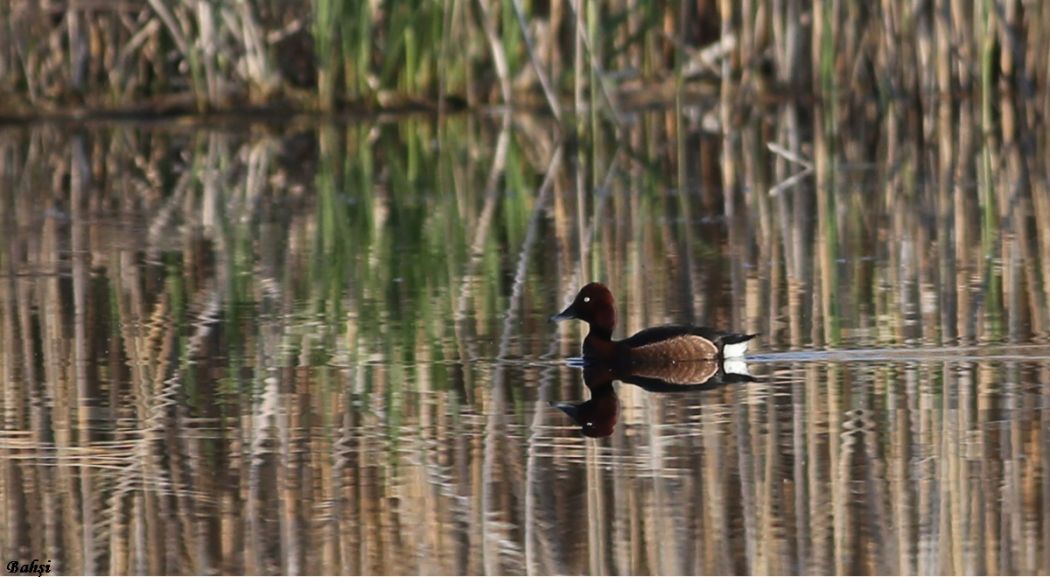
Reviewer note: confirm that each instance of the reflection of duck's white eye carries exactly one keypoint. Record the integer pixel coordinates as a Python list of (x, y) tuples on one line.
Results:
[(590, 424), (586, 299)]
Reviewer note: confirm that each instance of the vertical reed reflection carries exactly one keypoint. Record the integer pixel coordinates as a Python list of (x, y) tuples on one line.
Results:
[(326, 350)]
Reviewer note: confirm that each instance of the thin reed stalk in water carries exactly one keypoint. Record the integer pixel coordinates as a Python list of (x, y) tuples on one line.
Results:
[(499, 57), (325, 33), (595, 68), (548, 91)]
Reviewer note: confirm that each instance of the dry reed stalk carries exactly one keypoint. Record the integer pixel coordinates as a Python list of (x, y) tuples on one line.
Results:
[(499, 58), (595, 68), (943, 54), (548, 91)]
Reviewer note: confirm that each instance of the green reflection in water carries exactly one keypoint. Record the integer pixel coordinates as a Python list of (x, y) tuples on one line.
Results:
[(326, 348)]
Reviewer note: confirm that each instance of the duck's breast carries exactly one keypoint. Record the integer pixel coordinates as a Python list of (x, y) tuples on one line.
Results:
[(600, 349)]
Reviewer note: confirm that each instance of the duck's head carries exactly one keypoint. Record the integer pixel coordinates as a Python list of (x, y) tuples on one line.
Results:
[(593, 305)]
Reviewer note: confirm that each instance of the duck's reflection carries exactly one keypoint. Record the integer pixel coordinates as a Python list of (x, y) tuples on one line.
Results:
[(598, 415)]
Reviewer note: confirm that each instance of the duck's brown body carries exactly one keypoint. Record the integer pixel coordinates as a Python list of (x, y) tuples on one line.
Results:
[(674, 349), (658, 345)]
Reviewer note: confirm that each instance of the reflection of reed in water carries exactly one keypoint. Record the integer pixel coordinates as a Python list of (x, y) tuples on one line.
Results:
[(206, 368)]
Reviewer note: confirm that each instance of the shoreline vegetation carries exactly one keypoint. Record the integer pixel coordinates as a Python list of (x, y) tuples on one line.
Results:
[(143, 58)]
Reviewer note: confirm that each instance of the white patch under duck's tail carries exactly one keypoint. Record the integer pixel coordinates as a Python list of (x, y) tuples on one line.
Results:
[(738, 348), (734, 350)]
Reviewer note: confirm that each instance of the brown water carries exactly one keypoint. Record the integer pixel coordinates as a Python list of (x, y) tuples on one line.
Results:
[(308, 348)]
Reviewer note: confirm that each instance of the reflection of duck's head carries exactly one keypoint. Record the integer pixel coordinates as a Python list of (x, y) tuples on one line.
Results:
[(596, 416)]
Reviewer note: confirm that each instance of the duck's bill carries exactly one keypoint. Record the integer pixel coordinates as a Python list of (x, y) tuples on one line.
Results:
[(568, 313)]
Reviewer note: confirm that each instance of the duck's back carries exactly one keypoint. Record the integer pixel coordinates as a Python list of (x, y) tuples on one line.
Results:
[(673, 343)]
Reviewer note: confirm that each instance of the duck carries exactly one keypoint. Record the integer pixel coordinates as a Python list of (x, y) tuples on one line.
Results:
[(668, 344)]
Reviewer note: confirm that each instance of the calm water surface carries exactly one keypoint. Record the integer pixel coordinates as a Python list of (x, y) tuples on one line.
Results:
[(325, 348)]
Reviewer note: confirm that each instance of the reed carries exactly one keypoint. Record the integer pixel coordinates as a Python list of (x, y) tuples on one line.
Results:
[(335, 54)]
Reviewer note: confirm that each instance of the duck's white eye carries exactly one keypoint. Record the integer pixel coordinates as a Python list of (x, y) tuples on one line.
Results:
[(590, 424), (586, 299)]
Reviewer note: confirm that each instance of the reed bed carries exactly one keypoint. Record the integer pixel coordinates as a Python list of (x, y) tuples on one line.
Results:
[(152, 56), (324, 348)]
